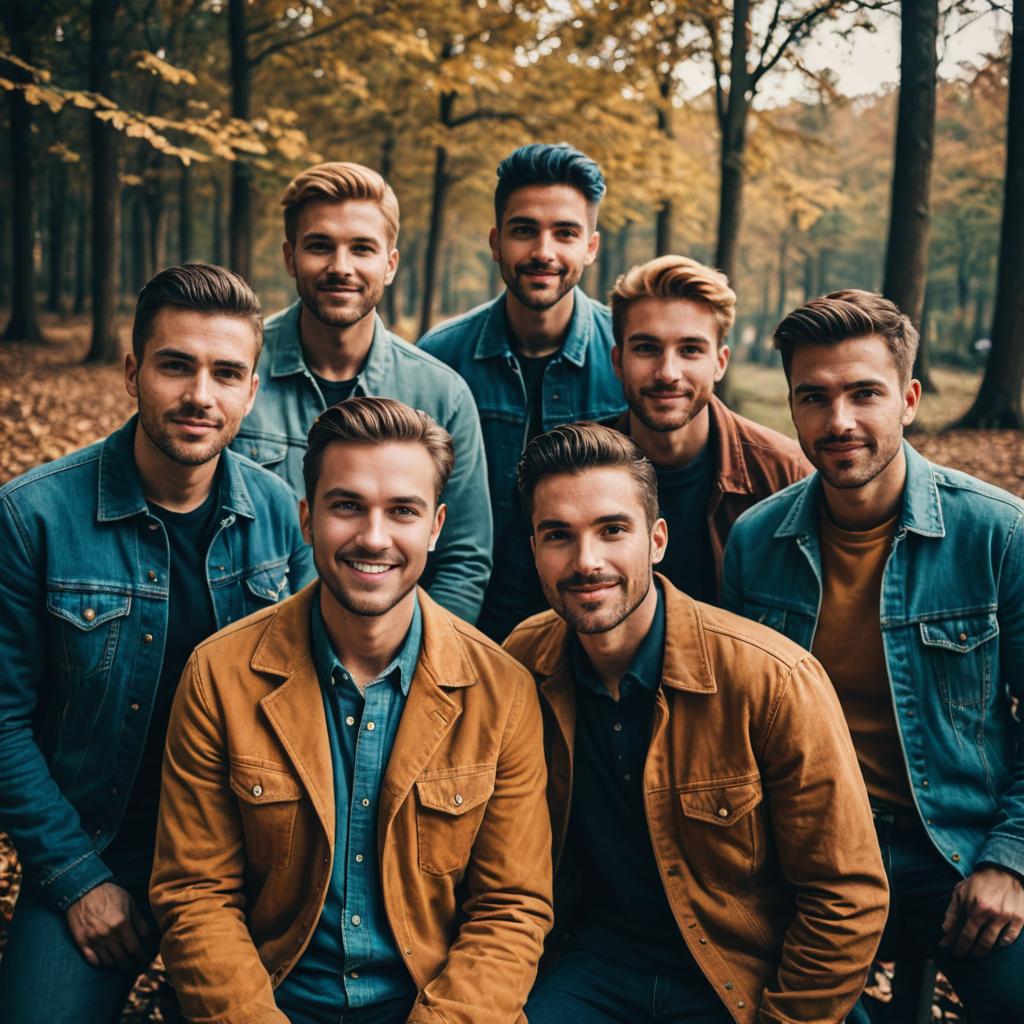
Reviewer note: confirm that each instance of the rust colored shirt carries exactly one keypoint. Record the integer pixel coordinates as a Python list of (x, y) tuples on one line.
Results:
[(848, 643)]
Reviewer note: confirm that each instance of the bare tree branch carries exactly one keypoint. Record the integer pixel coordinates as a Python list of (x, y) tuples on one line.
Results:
[(797, 30), (716, 66)]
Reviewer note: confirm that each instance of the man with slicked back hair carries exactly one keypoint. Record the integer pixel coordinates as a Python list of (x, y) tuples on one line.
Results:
[(538, 355)]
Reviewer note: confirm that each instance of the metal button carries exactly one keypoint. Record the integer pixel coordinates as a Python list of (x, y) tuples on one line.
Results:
[(728, 986), (924, 783), (353, 974), (723, 812), (370, 726), (703, 941), (458, 799), (151, 575), (147, 638), (628, 777), (152, 526), (963, 638), (359, 858), (349, 720), (617, 727), (257, 790), (741, 1004), (365, 802), (693, 924), (134, 707), (356, 920), (955, 857), (221, 568), (89, 614), (253, 452)]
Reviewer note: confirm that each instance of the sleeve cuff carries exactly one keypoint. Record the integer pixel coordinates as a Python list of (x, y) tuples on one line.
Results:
[(71, 882), (1003, 851)]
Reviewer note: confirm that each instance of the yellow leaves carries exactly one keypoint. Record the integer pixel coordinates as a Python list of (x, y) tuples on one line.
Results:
[(155, 65), (62, 152)]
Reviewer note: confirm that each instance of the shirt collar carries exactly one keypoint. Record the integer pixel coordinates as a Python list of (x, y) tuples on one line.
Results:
[(120, 487), (402, 667), (645, 668), (494, 336)]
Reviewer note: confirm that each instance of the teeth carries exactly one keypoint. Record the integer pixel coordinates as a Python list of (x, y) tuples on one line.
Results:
[(369, 567)]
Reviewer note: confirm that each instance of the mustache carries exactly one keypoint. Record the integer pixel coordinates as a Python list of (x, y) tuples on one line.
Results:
[(361, 554), (664, 389), (841, 439), (335, 279), (578, 579), (535, 267), (194, 412)]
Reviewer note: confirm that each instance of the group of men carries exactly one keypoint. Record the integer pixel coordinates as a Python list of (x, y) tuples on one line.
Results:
[(245, 718)]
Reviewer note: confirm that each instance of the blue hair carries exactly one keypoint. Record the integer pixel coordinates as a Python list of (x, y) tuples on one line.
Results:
[(542, 163)]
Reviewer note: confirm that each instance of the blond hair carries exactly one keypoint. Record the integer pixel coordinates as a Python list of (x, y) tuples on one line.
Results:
[(337, 182), (673, 277)]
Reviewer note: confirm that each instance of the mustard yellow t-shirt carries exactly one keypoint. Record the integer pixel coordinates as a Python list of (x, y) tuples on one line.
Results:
[(848, 643)]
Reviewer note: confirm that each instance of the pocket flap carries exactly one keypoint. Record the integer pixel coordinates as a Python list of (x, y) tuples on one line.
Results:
[(458, 792), (721, 803), (87, 609), (270, 583), (266, 453), (263, 785), (960, 635)]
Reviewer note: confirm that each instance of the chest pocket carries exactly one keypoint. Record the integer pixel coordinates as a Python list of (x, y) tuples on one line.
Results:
[(265, 451), (268, 800), (450, 805), (86, 624), (723, 831), (962, 652), (267, 585)]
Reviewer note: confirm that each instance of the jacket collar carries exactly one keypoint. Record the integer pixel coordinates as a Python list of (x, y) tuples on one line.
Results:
[(288, 357), (921, 512), (686, 665), (120, 488), (494, 334)]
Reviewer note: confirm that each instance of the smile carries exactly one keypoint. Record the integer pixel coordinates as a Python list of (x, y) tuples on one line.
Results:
[(370, 568)]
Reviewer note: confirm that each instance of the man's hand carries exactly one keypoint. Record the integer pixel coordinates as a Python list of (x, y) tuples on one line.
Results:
[(107, 927), (987, 909)]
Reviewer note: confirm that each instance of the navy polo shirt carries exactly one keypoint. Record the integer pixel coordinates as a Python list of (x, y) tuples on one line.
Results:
[(352, 960), (627, 917)]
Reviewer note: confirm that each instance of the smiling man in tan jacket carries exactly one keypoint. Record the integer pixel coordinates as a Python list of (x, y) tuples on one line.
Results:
[(353, 822)]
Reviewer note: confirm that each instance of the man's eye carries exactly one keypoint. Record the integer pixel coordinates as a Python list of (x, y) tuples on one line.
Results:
[(612, 530), (567, 233), (404, 512), (556, 535), (866, 393), (646, 349), (692, 350), (809, 399), (344, 506)]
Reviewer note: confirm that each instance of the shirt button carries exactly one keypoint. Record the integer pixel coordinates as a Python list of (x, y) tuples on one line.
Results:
[(458, 799), (349, 720), (703, 941), (353, 974), (955, 857), (365, 802), (147, 638), (741, 1004), (963, 638), (924, 783), (359, 858), (356, 920), (151, 575), (728, 986), (257, 790), (628, 778), (370, 726), (723, 812), (617, 727), (89, 614)]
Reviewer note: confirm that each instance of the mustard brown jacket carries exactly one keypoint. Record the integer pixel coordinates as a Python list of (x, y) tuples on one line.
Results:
[(246, 833), (757, 812)]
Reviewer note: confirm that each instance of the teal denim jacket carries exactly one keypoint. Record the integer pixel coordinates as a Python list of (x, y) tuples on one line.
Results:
[(274, 435), (952, 618), (84, 573)]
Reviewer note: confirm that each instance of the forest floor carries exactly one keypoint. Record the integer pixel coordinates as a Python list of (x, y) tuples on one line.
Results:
[(50, 404)]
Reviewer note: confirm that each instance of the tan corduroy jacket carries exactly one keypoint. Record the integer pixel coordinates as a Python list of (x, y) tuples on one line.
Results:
[(246, 833), (756, 808)]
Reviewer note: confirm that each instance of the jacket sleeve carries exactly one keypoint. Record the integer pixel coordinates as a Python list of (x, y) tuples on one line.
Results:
[(732, 575), (458, 571), (196, 889), (300, 563), (1004, 844), (53, 846), (828, 851), (492, 963)]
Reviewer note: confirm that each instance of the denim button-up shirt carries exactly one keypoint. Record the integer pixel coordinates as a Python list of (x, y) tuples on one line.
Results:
[(952, 618), (352, 960), (83, 620), (579, 383), (274, 434)]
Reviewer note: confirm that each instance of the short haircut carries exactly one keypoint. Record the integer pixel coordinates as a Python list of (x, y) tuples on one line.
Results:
[(575, 447), (366, 420), (542, 163), (847, 315), (337, 182), (673, 277), (199, 288)]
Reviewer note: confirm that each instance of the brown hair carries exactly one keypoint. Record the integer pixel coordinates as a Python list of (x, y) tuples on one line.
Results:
[(575, 447), (366, 420), (844, 316), (200, 288), (337, 182), (673, 277)]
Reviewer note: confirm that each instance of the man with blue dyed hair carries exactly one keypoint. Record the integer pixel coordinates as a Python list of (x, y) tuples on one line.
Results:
[(537, 356)]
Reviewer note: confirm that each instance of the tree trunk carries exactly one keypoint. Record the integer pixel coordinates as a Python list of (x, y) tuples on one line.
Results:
[(393, 293), (185, 214), (57, 235), (217, 242), (663, 221), (906, 259), (999, 399), (81, 254), (240, 215), (141, 268), (106, 206), (23, 324), (441, 187), (153, 201)]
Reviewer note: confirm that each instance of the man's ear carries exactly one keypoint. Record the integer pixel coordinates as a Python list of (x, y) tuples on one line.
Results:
[(288, 252), (659, 541), (722, 362), (389, 276), (911, 401), (435, 530), (593, 245), (617, 360), (492, 241), (305, 521), (131, 375)]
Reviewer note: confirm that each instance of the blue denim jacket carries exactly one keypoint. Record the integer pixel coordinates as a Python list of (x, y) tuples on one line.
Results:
[(83, 618), (274, 434), (579, 383), (952, 617)]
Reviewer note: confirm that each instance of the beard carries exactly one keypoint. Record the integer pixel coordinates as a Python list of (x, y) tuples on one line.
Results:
[(600, 619), (329, 312), (532, 297), (185, 453), (352, 600), (664, 422), (850, 474)]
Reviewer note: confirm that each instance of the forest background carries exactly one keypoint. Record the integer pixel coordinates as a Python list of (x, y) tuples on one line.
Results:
[(767, 137)]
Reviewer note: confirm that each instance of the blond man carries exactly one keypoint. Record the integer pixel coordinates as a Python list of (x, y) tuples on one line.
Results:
[(341, 225), (670, 319)]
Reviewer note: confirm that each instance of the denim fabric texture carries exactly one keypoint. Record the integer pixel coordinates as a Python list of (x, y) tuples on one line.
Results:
[(274, 435), (83, 620), (579, 383), (952, 618), (352, 960)]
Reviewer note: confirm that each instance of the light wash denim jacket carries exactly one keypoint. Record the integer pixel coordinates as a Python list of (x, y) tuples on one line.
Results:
[(83, 620), (952, 617), (274, 435), (579, 383)]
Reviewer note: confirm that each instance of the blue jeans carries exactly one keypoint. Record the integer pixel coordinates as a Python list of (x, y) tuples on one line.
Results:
[(920, 886), (44, 979), (583, 988), (392, 1011)]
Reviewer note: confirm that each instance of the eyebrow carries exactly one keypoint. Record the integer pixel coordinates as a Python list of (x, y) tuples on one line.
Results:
[(803, 389), (519, 219), (559, 524), (687, 338), (322, 236), (187, 357), (401, 499)]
